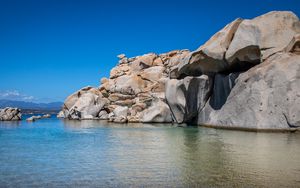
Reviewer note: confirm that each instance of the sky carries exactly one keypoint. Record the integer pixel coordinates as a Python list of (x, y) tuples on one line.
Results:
[(51, 48)]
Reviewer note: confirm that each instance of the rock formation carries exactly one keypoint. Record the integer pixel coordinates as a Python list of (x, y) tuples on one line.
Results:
[(33, 118), (247, 75), (135, 91), (10, 114)]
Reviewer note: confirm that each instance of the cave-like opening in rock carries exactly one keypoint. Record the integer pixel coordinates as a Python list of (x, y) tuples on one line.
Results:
[(223, 84), (225, 81)]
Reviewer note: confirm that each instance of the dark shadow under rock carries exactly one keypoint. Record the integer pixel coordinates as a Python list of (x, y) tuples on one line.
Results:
[(223, 83)]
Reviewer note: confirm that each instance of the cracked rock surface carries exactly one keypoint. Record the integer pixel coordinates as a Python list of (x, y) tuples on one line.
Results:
[(10, 114), (247, 75)]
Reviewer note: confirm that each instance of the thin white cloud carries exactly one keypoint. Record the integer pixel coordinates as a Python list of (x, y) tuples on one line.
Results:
[(16, 95)]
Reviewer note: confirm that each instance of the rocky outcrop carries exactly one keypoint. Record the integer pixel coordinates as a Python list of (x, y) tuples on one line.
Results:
[(243, 44), (188, 96), (247, 75), (34, 118), (269, 34), (46, 116), (265, 97), (84, 104), (158, 112), (136, 84), (210, 56), (294, 45), (10, 114)]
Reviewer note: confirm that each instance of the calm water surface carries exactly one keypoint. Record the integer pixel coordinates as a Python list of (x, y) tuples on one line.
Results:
[(56, 153)]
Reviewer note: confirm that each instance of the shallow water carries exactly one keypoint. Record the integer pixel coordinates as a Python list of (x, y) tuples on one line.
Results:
[(57, 153)]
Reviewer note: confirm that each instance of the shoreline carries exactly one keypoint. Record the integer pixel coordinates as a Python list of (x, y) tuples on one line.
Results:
[(184, 125)]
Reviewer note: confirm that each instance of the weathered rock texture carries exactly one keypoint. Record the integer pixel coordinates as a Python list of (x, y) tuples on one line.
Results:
[(266, 96), (187, 97), (135, 91), (245, 76), (10, 114), (242, 44)]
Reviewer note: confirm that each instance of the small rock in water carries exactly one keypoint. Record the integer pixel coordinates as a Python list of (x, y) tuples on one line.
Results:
[(30, 119), (33, 118), (46, 116), (37, 117), (60, 115)]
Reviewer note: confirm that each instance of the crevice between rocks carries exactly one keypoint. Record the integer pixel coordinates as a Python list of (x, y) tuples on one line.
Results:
[(288, 122)]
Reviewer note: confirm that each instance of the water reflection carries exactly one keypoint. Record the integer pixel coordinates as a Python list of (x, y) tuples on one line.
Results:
[(10, 124), (96, 153), (76, 124)]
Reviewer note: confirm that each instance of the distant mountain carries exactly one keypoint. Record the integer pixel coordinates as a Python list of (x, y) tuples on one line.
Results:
[(53, 106)]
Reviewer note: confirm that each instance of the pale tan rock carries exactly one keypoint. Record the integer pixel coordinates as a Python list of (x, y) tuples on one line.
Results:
[(108, 86), (175, 95), (156, 87), (187, 97), (174, 73), (271, 32), (84, 103), (104, 80), (123, 61), (119, 70), (120, 119), (121, 56), (60, 114), (145, 98), (243, 44), (152, 74), (129, 84), (173, 53), (112, 107), (133, 119), (126, 102), (46, 116), (143, 62), (72, 99), (103, 115), (158, 112), (87, 105), (253, 99), (118, 96), (294, 45), (104, 92), (120, 111), (265, 97), (217, 45), (10, 114), (177, 58), (138, 107), (209, 57), (30, 119), (157, 62)]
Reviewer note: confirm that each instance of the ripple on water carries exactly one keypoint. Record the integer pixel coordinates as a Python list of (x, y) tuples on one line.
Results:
[(55, 153)]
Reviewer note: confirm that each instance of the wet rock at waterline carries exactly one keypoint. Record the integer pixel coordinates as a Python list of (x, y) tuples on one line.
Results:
[(46, 116), (34, 118), (158, 112), (188, 96), (265, 97), (135, 85), (245, 76)]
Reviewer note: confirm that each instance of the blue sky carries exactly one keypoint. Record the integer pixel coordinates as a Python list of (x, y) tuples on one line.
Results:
[(51, 48)]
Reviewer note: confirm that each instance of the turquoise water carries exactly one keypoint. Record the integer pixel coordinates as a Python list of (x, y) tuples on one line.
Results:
[(57, 153)]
